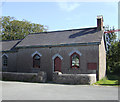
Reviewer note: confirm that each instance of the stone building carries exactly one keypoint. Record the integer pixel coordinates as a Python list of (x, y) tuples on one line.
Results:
[(70, 52)]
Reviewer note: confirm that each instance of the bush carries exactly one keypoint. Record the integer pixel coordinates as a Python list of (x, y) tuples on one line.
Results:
[(113, 58), (114, 68)]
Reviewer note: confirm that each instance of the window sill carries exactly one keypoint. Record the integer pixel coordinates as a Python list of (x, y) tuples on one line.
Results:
[(35, 68), (75, 68)]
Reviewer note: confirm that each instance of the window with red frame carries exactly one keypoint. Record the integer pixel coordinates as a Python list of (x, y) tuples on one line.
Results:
[(36, 61), (75, 60)]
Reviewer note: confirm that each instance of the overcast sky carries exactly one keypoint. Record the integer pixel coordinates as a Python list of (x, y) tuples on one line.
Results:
[(63, 15)]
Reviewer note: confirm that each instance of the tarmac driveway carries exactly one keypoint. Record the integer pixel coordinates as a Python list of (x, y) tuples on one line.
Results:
[(42, 91)]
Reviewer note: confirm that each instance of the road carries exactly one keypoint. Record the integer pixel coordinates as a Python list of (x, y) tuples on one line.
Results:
[(45, 91)]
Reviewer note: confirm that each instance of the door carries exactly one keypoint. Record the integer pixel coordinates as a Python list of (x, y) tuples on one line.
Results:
[(57, 64)]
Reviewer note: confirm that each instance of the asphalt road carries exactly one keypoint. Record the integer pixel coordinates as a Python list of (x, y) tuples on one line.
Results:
[(40, 91)]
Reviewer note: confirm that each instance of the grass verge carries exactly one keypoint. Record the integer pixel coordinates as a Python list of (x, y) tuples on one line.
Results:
[(109, 80)]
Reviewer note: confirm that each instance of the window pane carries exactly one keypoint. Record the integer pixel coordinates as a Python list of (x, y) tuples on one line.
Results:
[(37, 57), (75, 60)]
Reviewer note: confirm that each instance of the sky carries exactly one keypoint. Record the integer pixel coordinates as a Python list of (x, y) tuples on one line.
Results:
[(63, 15)]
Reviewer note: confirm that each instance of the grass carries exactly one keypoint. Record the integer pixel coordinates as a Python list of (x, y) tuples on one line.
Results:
[(109, 80)]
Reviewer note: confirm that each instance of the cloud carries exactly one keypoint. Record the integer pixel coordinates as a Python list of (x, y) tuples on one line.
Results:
[(68, 6)]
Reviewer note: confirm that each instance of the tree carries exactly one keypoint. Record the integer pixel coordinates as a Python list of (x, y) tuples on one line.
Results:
[(12, 29), (110, 37), (112, 52)]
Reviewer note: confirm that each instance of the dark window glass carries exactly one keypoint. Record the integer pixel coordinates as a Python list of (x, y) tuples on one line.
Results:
[(4, 61)]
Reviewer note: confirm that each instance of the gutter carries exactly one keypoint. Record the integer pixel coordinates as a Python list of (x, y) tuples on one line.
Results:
[(9, 51), (59, 45)]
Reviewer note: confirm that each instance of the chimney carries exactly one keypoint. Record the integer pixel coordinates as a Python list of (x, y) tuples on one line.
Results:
[(99, 22)]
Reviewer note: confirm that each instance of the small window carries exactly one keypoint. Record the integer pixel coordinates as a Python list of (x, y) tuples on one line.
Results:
[(75, 60), (36, 61), (4, 60)]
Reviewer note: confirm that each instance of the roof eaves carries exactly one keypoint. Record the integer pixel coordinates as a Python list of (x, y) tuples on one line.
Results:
[(9, 51), (60, 45), (10, 40)]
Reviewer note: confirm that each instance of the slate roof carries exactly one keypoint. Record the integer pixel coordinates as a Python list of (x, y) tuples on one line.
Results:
[(9, 45), (74, 36)]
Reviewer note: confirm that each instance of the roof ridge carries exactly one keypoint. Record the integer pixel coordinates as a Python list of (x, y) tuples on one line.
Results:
[(63, 30)]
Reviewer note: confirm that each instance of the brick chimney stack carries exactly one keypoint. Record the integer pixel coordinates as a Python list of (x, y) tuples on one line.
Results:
[(99, 22)]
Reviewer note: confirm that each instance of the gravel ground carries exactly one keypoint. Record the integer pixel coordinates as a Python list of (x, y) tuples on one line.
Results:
[(46, 91)]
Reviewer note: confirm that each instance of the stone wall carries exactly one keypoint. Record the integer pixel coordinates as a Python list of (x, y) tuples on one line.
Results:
[(74, 78), (27, 77), (89, 54)]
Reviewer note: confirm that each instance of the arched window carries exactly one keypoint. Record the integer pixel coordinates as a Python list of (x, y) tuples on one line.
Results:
[(57, 62), (75, 60), (36, 61), (4, 60)]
